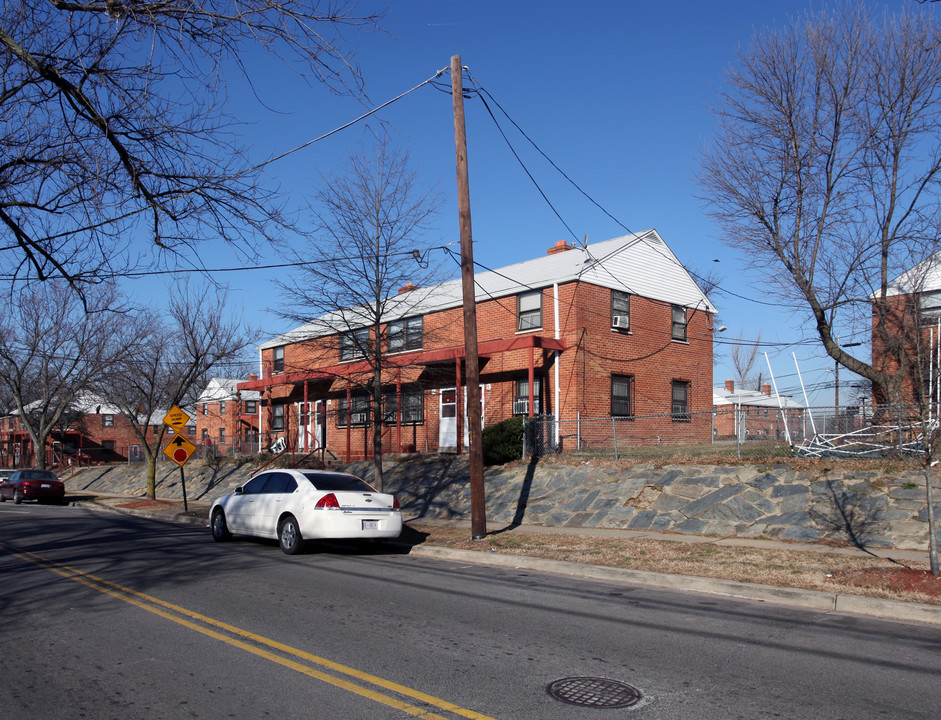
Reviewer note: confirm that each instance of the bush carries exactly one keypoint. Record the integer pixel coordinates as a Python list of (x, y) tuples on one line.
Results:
[(503, 442)]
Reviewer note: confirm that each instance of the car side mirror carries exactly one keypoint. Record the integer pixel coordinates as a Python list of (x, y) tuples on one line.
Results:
[(239, 491)]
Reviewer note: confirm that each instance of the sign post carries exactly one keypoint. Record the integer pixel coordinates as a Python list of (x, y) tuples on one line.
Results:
[(179, 449)]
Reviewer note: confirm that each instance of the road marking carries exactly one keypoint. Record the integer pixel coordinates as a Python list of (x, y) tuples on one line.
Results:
[(224, 632)]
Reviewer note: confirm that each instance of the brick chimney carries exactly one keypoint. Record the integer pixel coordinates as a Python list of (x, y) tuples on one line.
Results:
[(560, 246), (730, 385), (252, 378), (407, 287), (766, 388)]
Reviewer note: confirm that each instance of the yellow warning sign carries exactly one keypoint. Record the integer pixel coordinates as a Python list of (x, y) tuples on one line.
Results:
[(179, 449), (176, 418)]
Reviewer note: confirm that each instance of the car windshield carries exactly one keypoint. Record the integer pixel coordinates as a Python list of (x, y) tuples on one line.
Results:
[(338, 482)]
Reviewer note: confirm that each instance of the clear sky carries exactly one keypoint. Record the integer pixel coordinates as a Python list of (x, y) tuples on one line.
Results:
[(616, 92)]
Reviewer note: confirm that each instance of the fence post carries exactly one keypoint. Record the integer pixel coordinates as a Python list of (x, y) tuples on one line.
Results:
[(614, 431), (739, 430)]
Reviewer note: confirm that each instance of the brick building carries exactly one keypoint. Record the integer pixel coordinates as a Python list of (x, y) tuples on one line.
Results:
[(227, 418), (906, 335), (756, 415), (91, 432), (615, 329)]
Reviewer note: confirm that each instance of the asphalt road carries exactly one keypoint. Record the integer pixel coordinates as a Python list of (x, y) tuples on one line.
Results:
[(110, 616)]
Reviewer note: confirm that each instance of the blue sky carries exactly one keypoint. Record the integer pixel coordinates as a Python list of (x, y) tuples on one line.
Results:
[(617, 93)]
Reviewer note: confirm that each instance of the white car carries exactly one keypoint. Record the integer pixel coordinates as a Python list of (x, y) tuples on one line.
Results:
[(297, 505)]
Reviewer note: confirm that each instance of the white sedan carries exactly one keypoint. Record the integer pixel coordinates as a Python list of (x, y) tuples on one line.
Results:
[(297, 505)]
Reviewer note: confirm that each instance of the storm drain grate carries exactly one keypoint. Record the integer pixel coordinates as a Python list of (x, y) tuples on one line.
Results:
[(593, 692)]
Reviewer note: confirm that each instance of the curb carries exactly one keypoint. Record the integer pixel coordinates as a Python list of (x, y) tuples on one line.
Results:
[(790, 597)]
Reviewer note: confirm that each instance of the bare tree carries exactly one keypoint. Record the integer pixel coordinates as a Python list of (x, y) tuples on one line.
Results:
[(115, 124), (52, 347), (826, 168), (176, 354), (744, 355), (371, 225)]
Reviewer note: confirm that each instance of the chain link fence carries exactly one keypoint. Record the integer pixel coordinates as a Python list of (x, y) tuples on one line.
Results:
[(741, 432)]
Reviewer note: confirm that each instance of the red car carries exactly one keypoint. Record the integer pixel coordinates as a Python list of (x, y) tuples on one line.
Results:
[(38, 485)]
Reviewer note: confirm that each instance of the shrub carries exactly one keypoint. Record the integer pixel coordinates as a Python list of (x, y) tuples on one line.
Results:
[(503, 442)]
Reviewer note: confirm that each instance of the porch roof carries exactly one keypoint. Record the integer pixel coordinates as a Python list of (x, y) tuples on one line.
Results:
[(401, 360)]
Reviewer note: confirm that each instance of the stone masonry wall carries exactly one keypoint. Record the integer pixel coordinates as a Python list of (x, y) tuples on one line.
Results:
[(872, 508)]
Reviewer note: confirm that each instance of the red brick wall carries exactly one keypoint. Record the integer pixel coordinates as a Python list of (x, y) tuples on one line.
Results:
[(594, 351)]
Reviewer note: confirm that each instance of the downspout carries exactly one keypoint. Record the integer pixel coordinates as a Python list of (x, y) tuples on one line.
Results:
[(555, 363), (261, 398)]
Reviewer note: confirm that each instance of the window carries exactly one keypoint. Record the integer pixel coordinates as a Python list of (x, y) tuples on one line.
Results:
[(191, 429), (205, 408), (277, 417), (278, 364), (529, 310), (222, 407), (107, 445), (221, 436), (354, 343), (256, 485), (620, 310), (205, 434), (622, 396), (107, 420), (413, 407), (680, 409), (406, 334), (281, 482), (679, 323), (251, 407), (357, 415), (521, 397)]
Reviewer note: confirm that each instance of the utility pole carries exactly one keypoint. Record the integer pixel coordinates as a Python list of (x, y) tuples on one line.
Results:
[(471, 362)]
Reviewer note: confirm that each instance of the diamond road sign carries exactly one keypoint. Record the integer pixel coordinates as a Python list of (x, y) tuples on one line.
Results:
[(179, 449), (176, 418)]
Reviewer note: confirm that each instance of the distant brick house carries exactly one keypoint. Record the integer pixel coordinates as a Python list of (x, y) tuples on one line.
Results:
[(906, 335), (93, 432), (227, 418), (755, 415), (615, 329)]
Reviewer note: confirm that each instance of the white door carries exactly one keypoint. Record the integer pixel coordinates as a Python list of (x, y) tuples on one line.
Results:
[(320, 419), (303, 425), (447, 426)]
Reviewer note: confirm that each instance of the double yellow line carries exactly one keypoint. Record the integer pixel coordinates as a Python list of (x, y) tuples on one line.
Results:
[(285, 655)]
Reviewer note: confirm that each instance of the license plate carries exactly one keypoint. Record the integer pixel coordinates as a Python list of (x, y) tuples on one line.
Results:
[(370, 524), (45, 486)]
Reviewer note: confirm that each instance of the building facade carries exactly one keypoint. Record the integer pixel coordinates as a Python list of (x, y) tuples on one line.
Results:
[(227, 419), (614, 329)]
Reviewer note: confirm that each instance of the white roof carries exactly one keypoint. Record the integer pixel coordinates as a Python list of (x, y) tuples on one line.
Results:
[(722, 396), (640, 264), (924, 277), (226, 389)]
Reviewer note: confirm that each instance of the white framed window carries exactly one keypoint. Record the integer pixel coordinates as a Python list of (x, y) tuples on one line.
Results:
[(620, 310), (529, 310), (678, 330)]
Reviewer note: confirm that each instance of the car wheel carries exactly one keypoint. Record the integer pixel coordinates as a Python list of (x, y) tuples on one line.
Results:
[(289, 535), (17, 496), (220, 530), (3, 498)]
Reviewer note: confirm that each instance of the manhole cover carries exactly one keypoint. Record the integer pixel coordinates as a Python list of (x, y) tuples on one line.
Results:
[(593, 692)]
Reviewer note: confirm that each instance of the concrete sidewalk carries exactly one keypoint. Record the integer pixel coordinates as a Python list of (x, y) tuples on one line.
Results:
[(793, 597)]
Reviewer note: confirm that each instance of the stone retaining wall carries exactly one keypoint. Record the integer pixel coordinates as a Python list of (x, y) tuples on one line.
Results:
[(873, 508)]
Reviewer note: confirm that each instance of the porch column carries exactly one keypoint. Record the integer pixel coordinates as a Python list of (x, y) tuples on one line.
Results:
[(399, 410), (349, 422), (532, 375), (458, 405), (306, 420)]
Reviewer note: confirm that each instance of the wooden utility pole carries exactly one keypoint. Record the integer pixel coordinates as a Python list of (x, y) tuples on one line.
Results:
[(471, 363)]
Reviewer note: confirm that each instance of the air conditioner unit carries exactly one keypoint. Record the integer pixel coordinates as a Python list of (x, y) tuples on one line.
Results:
[(621, 321)]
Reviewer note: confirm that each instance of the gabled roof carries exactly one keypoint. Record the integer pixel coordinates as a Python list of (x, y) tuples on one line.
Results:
[(225, 389), (640, 264), (923, 277), (752, 398)]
